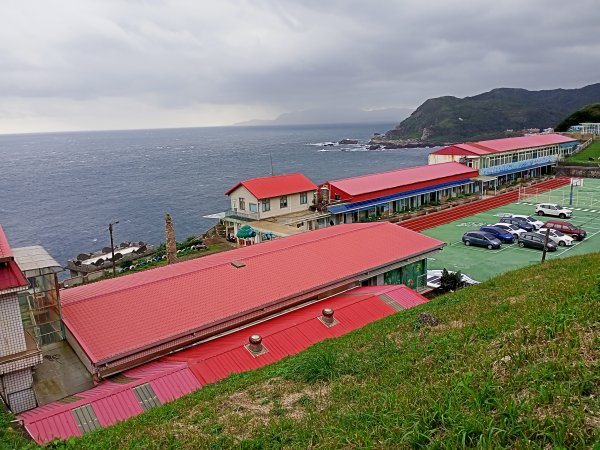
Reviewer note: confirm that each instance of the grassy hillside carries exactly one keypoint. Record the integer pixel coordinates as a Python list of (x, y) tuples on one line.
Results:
[(583, 157), (513, 363), (489, 115), (589, 113)]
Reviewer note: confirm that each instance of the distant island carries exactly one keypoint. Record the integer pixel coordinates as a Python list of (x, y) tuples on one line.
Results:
[(499, 113), (333, 116)]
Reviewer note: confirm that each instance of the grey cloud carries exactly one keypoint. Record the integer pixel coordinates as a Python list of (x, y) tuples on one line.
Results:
[(288, 55)]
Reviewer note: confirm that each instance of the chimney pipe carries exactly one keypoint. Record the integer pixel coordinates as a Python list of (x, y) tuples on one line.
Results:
[(328, 318)]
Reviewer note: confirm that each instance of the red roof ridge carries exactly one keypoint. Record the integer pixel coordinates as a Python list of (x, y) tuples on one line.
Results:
[(348, 230), (297, 177), (397, 170)]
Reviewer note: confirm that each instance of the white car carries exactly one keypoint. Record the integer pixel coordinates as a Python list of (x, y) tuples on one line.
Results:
[(558, 237), (553, 209), (537, 224), (434, 279), (515, 230)]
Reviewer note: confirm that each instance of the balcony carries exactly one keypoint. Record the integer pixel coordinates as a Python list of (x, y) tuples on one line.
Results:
[(30, 357), (241, 215)]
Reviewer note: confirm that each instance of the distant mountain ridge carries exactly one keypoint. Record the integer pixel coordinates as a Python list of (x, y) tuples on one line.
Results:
[(333, 116), (450, 119)]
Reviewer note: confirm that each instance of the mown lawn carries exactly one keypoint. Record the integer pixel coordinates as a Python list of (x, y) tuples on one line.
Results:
[(593, 151), (514, 363)]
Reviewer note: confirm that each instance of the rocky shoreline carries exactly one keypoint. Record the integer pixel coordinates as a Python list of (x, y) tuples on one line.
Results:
[(376, 144)]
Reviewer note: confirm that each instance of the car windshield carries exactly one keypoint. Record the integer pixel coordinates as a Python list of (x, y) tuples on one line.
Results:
[(558, 233), (531, 219)]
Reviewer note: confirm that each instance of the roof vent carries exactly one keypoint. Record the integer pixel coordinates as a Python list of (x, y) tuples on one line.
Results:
[(255, 345), (327, 318), (238, 264)]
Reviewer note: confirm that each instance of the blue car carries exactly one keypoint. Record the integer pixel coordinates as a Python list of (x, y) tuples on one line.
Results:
[(501, 234), (521, 223), (481, 239)]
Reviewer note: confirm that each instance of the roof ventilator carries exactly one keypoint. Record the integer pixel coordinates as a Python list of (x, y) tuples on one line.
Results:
[(327, 318), (255, 345), (238, 264)]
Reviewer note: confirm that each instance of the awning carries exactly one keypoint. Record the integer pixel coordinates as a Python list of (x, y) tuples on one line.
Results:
[(483, 178)]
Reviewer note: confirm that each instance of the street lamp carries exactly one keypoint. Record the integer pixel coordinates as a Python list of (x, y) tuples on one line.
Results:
[(112, 245)]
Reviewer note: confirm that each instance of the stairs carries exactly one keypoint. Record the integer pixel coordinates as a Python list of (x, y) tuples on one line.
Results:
[(442, 217)]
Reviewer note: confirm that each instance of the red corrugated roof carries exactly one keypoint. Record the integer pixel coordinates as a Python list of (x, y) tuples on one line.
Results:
[(277, 185), (174, 376), (504, 145), (5, 250), (293, 332), (11, 277), (375, 182), (112, 402), (114, 317)]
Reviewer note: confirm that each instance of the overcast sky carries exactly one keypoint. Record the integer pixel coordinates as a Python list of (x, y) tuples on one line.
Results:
[(82, 64)]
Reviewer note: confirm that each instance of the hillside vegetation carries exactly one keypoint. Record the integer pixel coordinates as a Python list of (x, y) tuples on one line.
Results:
[(589, 113), (488, 115), (512, 363)]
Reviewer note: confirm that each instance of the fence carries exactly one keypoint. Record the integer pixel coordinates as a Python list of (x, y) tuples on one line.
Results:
[(582, 196)]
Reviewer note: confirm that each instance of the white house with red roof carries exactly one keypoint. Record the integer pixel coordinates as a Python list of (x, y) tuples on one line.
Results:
[(19, 351), (504, 160), (273, 206)]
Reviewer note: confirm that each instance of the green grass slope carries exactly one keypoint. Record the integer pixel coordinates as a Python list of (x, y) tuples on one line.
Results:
[(513, 363), (583, 157)]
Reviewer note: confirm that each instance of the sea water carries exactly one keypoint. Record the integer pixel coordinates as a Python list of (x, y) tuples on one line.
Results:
[(61, 190)]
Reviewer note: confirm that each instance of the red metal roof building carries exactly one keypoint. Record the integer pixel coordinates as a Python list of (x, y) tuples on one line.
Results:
[(157, 382), (504, 160), (358, 198), (276, 185), (11, 278), (116, 324)]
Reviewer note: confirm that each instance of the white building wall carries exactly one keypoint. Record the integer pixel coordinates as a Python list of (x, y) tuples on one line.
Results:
[(12, 336), (18, 391), (293, 203)]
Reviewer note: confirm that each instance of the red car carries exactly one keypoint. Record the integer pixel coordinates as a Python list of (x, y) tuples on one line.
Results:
[(566, 228)]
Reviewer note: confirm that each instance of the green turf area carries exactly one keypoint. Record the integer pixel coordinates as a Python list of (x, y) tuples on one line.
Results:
[(593, 151), (482, 264), (511, 365)]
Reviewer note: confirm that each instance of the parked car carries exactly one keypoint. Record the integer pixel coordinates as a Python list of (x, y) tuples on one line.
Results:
[(553, 209), (514, 229), (558, 237), (503, 235), (577, 233), (434, 279), (518, 222), (537, 224), (481, 239), (536, 240)]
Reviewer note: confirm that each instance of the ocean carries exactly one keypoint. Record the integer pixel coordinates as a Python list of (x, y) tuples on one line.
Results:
[(61, 190)]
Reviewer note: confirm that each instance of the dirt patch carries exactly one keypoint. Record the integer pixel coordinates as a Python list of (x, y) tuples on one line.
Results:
[(243, 412)]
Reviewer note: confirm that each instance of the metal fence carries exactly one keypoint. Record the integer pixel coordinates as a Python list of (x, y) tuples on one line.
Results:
[(582, 197)]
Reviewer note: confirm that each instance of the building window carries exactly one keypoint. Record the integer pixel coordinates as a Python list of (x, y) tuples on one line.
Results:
[(303, 198), (242, 204), (266, 204), (253, 207), (283, 201)]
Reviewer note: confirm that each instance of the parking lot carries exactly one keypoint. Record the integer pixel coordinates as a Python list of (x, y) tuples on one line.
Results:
[(481, 263)]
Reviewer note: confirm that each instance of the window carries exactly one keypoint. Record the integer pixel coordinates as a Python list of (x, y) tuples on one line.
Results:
[(266, 204), (303, 198), (242, 204), (253, 207), (283, 201)]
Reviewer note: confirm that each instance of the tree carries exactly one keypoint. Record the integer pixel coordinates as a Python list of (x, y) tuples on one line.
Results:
[(451, 281)]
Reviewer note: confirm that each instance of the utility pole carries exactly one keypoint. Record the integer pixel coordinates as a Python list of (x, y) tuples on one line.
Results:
[(112, 245), (546, 237)]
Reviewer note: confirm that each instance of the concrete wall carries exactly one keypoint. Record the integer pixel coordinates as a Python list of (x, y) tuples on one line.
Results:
[(578, 171), (17, 390)]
